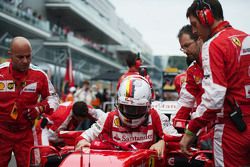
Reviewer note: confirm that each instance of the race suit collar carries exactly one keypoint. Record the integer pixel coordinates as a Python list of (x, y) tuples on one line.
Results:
[(16, 74), (222, 25), (132, 69)]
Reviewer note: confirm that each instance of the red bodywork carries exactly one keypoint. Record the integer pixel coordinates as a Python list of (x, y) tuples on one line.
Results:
[(99, 155), (113, 158)]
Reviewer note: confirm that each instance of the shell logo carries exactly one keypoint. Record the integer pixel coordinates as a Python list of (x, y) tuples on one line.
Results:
[(2, 85)]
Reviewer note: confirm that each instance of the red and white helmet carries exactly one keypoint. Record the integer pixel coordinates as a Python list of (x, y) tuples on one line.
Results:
[(134, 99)]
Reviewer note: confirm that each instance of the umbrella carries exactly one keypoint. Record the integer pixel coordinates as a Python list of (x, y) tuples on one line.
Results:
[(108, 76)]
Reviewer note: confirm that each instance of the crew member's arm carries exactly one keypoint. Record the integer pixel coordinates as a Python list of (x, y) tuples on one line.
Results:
[(49, 99), (166, 125), (188, 94)]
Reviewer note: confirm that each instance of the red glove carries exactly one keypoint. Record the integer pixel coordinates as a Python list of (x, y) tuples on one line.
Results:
[(32, 113)]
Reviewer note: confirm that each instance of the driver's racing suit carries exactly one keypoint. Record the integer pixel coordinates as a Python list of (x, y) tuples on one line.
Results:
[(110, 128)]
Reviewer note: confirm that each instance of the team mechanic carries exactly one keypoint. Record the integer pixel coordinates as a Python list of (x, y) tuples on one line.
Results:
[(226, 100), (69, 116), (191, 90), (134, 63), (21, 85)]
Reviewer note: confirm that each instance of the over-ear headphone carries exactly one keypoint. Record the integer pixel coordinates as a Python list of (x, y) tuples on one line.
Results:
[(204, 13), (138, 61)]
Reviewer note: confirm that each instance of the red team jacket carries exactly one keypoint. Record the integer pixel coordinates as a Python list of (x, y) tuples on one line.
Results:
[(225, 61), (23, 90), (191, 91)]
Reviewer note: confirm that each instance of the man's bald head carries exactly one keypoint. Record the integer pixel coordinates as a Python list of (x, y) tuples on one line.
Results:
[(20, 53), (19, 43)]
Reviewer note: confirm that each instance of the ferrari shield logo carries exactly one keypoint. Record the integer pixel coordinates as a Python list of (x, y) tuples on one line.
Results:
[(236, 41), (197, 79), (14, 112), (117, 122)]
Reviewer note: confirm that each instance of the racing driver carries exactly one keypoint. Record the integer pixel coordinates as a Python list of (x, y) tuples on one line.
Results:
[(133, 124)]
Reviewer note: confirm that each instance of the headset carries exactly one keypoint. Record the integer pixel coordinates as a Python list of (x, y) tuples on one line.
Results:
[(138, 61), (204, 13)]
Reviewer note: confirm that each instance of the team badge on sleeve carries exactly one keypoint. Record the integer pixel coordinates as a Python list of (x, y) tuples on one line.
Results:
[(117, 122), (236, 41)]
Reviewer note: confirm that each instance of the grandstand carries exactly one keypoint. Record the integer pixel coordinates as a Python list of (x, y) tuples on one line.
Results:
[(87, 30)]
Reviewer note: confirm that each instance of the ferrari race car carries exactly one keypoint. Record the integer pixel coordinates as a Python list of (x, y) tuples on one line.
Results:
[(103, 153)]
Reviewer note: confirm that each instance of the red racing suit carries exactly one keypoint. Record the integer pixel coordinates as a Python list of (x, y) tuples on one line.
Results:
[(226, 65), (62, 120), (109, 128), (191, 91), (19, 91)]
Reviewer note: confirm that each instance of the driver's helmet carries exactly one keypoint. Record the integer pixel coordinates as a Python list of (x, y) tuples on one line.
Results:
[(133, 100)]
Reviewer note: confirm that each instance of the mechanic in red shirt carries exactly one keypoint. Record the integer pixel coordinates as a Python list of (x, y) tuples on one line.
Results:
[(21, 85), (69, 116), (134, 124), (226, 99), (134, 63), (191, 90)]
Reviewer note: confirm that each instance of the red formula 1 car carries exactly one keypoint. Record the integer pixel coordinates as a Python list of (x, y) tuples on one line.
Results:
[(110, 154), (103, 154)]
